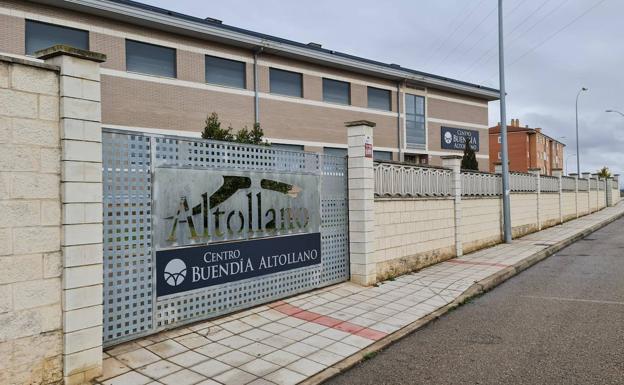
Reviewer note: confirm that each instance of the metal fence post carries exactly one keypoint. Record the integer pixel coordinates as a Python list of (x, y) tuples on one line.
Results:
[(453, 162)]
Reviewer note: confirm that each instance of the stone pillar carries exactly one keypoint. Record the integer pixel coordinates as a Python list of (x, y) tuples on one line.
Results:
[(361, 202), (587, 175), (453, 162), (576, 193), (609, 192), (558, 173), (81, 199), (596, 177), (536, 172), (616, 197)]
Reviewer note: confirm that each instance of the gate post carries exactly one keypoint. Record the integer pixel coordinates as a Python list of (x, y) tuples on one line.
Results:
[(558, 173), (81, 213), (587, 175), (453, 162), (361, 184)]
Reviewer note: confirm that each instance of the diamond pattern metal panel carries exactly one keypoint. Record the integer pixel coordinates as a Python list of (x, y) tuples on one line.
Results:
[(131, 308)]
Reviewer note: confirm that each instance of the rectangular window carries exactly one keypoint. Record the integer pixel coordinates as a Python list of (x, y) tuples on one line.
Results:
[(150, 59), (499, 155), (225, 72), (334, 151), (382, 155), (287, 147), (415, 136), (286, 83), (335, 91), (42, 35), (499, 139), (379, 99)]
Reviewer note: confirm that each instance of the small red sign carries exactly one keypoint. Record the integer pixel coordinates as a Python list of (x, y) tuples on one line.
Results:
[(368, 150)]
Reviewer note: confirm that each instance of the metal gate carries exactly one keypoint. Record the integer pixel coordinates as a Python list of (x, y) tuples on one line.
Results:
[(131, 307)]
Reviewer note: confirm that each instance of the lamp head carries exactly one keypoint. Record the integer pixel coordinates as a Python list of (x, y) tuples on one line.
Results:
[(584, 89), (609, 111)]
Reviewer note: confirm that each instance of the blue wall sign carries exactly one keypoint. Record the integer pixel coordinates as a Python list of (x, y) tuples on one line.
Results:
[(456, 138), (188, 268)]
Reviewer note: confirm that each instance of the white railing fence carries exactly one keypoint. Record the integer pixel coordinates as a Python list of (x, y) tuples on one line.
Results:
[(520, 182), (481, 184), (568, 183), (400, 180), (583, 184), (549, 184)]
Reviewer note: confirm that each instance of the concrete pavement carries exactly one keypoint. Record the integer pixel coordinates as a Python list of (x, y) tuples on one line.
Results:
[(560, 322), (311, 337)]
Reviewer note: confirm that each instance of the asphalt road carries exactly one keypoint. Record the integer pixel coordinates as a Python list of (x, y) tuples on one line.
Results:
[(559, 322)]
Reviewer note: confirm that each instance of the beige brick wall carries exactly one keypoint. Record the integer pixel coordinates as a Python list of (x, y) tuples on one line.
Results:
[(523, 214), (549, 209), (412, 233), (30, 225), (593, 200), (481, 222), (569, 205), (583, 203)]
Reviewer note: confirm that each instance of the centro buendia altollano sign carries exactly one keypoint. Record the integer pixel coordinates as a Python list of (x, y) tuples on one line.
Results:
[(214, 226)]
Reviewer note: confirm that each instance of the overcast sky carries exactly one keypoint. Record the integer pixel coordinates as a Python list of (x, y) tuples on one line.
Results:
[(553, 48)]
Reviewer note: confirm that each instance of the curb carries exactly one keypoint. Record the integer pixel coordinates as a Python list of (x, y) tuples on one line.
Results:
[(474, 290)]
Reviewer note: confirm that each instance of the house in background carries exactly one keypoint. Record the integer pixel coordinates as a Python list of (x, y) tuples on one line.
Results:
[(528, 148)]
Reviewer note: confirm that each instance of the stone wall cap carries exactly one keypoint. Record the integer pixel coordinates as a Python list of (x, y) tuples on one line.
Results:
[(360, 123), (61, 49), (451, 157), (26, 62)]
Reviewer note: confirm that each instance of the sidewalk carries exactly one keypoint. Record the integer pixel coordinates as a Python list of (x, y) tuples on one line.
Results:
[(315, 335)]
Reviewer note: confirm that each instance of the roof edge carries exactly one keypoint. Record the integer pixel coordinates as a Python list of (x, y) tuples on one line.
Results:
[(154, 15)]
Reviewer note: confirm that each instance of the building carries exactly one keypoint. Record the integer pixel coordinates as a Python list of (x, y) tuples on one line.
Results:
[(528, 148), (165, 72)]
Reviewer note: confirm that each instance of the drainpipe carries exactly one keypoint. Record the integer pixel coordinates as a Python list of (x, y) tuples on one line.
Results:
[(256, 86), (399, 131)]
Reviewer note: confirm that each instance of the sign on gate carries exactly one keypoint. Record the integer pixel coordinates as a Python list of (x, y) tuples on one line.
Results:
[(208, 225)]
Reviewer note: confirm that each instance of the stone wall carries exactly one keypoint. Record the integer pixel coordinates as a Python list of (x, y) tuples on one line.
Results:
[(481, 222), (30, 224), (523, 214), (412, 233), (569, 205), (549, 209)]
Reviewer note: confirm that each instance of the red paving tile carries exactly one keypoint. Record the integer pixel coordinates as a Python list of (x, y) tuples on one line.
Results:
[(331, 322)]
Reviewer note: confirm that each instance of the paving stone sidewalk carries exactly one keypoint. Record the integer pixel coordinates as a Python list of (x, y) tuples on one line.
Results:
[(288, 341)]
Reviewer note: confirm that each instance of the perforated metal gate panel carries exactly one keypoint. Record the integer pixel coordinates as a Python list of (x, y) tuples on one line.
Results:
[(131, 308)]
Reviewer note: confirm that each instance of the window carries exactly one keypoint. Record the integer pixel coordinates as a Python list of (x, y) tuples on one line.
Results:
[(286, 83), (499, 139), (150, 59), (42, 35), (225, 72), (378, 98), (415, 121), (382, 155), (335, 91), (288, 147), (499, 155), (341, 152)]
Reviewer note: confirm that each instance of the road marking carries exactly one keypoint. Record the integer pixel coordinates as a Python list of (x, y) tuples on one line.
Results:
[(574, 299)]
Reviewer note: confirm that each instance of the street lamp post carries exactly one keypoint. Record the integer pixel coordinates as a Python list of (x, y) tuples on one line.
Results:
[(578, 158), (503, 131)]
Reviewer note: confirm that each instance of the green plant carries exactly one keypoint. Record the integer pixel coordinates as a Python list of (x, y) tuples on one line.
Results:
[(469, 160), (213, 130), (604, 172)]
